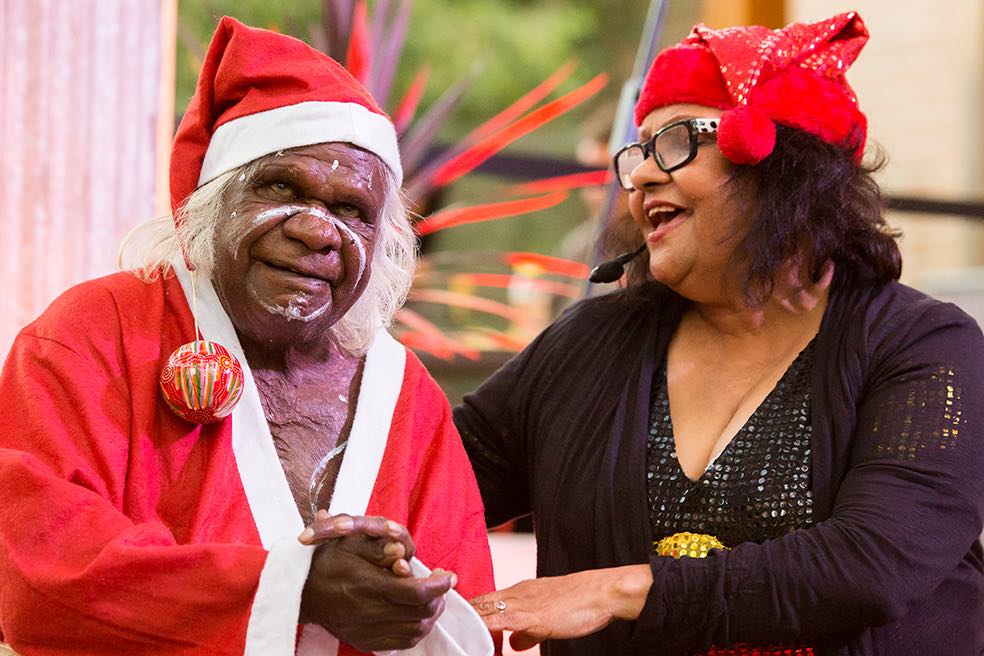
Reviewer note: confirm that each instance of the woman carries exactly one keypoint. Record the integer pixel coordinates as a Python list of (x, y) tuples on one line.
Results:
[(764, 393)]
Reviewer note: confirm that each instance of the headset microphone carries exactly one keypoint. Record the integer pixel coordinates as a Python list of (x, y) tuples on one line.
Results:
[(612, 270)]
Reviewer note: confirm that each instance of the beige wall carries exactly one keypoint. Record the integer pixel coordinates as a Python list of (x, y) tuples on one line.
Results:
[(81, 91), (725, 13), (919, 80)]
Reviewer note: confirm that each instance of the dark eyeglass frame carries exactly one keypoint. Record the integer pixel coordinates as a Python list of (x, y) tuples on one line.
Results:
[(695, 127)]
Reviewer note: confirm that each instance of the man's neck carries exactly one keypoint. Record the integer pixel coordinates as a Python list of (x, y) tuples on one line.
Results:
[(296, 359)]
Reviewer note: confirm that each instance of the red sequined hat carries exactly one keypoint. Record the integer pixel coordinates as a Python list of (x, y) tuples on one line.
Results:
[(793, 76)]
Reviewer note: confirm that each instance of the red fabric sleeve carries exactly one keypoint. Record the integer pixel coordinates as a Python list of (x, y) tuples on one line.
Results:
[(77, 574), (432, 487)]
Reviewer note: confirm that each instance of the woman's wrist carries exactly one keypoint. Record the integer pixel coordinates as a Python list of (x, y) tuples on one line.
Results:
[(628, 590)]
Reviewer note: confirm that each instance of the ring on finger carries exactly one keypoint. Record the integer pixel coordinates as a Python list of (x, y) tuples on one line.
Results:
[(500, 606)]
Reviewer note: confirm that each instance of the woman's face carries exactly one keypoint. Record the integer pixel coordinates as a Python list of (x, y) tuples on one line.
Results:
[(293, 252), (693, 218)]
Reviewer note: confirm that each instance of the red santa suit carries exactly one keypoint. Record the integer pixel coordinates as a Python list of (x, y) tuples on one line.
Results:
[(127, 530)]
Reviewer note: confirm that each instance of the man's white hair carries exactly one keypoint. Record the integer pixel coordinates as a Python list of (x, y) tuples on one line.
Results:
[(149, 249)]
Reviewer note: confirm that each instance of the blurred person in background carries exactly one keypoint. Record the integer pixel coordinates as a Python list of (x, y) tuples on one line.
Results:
[(593, 151), (142, 509), (764, 444)]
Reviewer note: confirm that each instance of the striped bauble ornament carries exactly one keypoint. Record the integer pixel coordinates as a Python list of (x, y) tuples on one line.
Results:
[(202, 381)]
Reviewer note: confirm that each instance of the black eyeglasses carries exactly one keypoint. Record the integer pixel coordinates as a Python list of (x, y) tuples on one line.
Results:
[(672, 146)]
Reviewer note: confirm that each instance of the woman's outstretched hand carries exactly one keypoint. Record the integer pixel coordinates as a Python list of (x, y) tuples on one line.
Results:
[(568, 606), (360, 587)]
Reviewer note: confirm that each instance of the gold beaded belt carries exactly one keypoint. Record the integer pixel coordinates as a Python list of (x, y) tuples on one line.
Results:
[(692, 545)]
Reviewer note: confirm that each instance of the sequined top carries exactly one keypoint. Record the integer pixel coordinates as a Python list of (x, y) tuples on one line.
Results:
[(758, 488)]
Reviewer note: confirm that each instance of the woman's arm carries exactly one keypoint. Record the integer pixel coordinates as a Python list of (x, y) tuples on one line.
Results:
[(492, 423), (569, 606)]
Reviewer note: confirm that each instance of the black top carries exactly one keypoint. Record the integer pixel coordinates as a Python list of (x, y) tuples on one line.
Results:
[(757, 488), (892, 563)]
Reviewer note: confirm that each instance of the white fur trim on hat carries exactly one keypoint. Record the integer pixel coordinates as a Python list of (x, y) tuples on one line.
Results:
[(244, 139)]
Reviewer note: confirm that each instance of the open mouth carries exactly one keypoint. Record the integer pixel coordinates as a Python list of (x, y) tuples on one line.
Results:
[(662, 214), (664, 218)]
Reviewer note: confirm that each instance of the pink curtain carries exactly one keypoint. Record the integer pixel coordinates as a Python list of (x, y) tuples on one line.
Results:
[(79, 106)]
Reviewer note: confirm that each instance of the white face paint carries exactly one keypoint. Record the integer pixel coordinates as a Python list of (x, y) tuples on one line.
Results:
[(359, 245), (294, 311)]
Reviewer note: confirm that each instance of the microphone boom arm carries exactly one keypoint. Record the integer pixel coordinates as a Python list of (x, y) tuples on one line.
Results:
[(612, 270)]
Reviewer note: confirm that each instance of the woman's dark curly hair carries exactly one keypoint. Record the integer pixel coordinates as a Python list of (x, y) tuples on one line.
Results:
[(813, 199)]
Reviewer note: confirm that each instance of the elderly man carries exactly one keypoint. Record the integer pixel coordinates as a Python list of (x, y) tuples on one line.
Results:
[(126, 528)]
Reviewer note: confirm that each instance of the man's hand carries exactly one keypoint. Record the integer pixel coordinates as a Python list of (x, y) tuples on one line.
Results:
[(389, 544), (359, 586)]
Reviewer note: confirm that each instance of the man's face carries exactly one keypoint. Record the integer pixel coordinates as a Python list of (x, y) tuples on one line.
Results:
[(294, 247)]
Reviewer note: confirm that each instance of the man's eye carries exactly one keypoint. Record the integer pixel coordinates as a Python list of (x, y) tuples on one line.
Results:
[(282, 189), (348, 211)]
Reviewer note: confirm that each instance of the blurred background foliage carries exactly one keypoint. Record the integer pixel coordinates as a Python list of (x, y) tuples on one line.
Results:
[(515, 45)]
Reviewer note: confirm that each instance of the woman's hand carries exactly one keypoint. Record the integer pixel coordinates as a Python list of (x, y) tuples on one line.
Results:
[(565, 606), (360, 588)]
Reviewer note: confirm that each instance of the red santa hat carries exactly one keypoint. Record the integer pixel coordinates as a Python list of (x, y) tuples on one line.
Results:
[(260, 92), (793, 76)]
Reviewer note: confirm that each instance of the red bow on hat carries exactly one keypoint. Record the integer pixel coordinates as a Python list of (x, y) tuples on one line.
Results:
[(793, 76)]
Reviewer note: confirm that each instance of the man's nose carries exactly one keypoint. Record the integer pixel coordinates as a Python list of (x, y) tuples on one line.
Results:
[(317, 232)]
